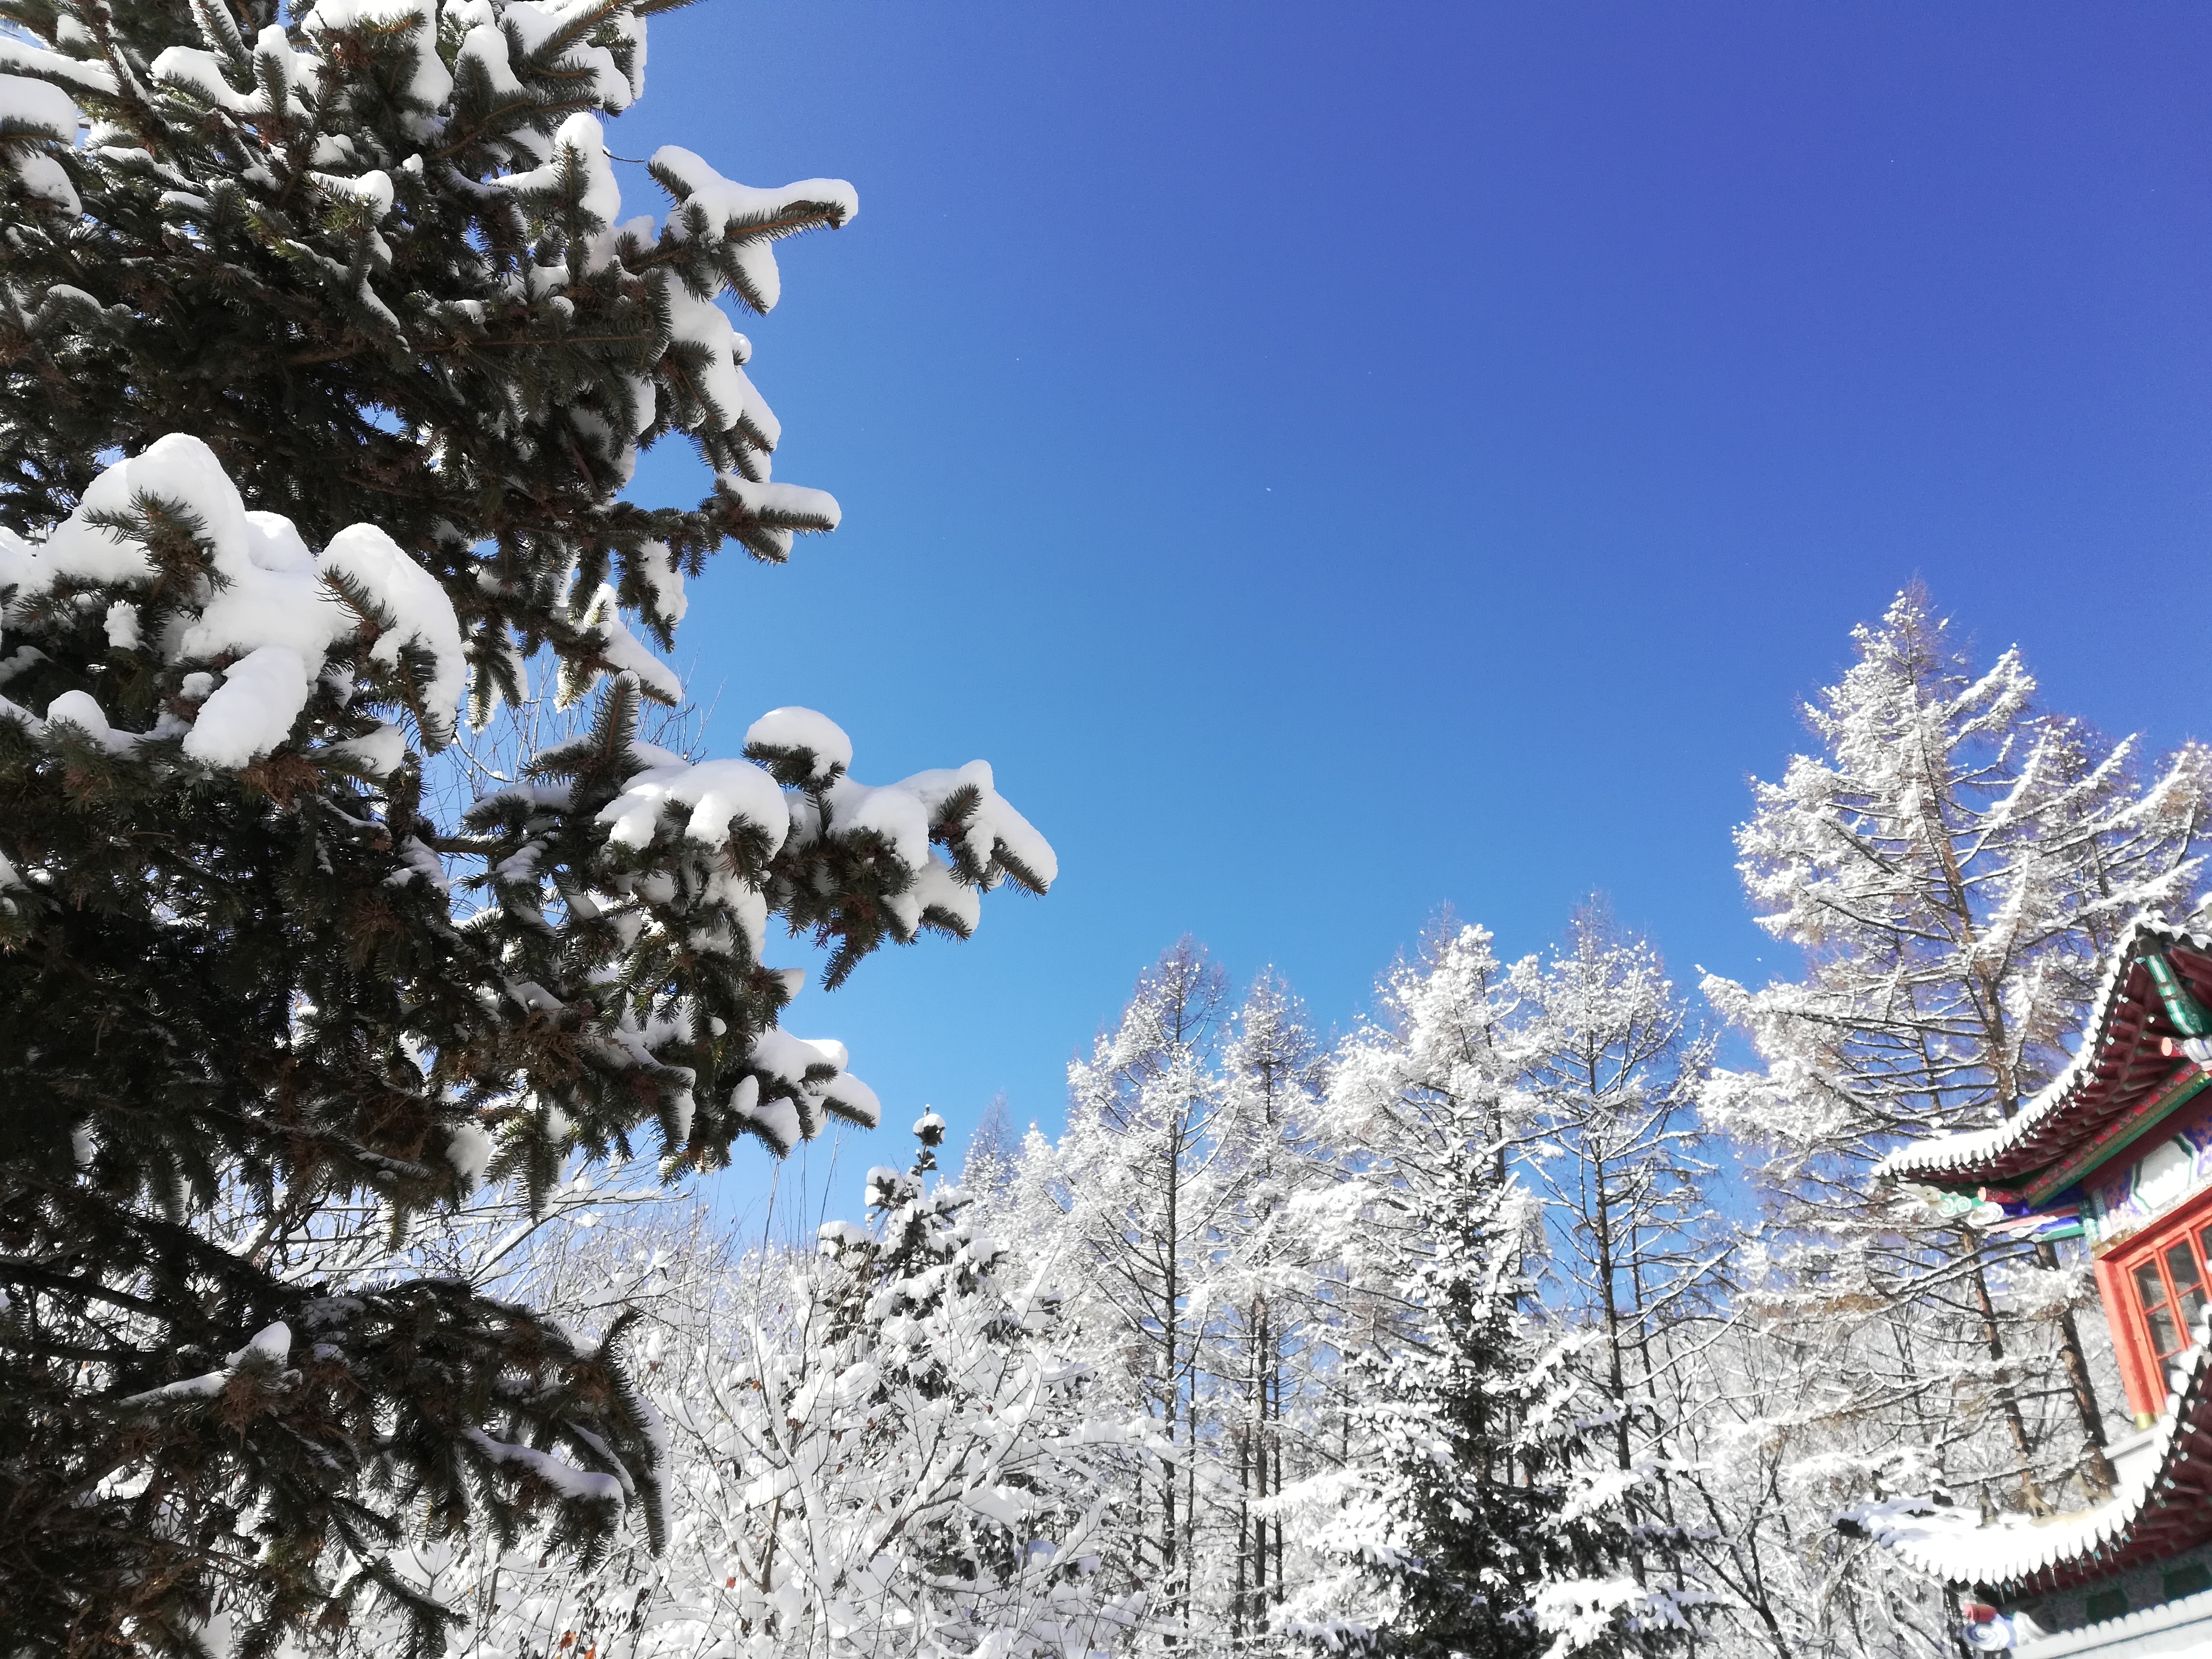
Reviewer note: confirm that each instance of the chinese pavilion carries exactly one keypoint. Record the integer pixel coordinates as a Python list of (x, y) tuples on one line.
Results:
[(2117, 1152)]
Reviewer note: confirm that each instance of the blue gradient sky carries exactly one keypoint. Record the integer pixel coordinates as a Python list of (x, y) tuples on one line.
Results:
[(1339, 461)]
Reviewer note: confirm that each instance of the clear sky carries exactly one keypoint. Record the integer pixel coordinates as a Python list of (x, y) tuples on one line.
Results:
[(1339, 461)]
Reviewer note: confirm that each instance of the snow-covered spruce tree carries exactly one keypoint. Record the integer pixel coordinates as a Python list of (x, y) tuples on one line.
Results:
[(1406, 1092), (348, 288), (1953, 864), (1478, 1510), (1427, 1075), (1462, 1527)]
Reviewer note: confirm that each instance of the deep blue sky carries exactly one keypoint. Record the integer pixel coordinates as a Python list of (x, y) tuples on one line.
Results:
[(1339, 461)]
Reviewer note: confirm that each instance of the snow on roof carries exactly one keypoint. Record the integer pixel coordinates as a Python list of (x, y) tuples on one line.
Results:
[(2164, 1509), (2119, 1066)]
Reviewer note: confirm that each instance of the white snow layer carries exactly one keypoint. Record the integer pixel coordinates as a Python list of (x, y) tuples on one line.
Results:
[(485, 44), (252, 711), (40, 106), (429, 82), (787, 730), (903, 812), (278, 610), (45, 178), (201, 74), (470, 1152), (535, 24), (121, 624), (580, 143), (373, 189), (787, 1060), (719, 794), (625, 651), (659, 566), (16, 53), (738, 211), (79, 709), (265, 1351), (381, 751), (696, 320), (577, 1484), (792, 504)]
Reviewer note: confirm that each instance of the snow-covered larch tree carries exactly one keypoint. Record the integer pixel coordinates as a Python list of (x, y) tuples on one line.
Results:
[(1610, 1142), (1270, 1339), (1953, 863), (989, 1164), (1136, 1191), (1201, 1296), (324, 357)]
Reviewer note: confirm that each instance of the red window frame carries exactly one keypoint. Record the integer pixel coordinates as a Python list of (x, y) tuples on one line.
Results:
[(2147, 1335)]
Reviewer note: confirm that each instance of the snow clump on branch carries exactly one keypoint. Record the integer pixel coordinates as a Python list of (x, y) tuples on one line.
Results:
[(238, 594)]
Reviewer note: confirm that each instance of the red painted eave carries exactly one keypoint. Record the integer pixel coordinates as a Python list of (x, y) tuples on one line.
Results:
[(2156, 1516)]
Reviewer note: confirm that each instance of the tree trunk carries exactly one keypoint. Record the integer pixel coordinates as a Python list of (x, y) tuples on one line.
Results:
[(2096, 1468), (1993, 1339)]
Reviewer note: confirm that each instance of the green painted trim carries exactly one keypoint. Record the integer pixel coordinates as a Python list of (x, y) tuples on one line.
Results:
[(2179, 1089), (2187, 1014)]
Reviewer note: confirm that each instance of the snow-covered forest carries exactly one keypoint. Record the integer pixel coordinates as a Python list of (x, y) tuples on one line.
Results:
[(1515, 1320), (387, 965)]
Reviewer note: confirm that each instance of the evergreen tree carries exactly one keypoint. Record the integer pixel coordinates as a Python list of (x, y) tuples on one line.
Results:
[(992, 1149), (348, 290), (1955, 865), (1465, 1520), (1482, 1511)]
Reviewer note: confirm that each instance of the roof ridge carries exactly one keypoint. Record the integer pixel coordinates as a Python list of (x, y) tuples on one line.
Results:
[(1933, 1154)]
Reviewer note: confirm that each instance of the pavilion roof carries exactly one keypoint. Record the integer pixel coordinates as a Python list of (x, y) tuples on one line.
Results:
[(2165, 1509), (2129, 1058)]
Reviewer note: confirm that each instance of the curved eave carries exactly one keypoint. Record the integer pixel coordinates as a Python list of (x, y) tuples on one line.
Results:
[(2162, 1511), (2121, 1064)]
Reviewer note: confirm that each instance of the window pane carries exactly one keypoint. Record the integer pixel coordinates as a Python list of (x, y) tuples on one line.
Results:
[(2188, 1285), (2164, 1335), (2106, 1604), (2150, 1286)]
